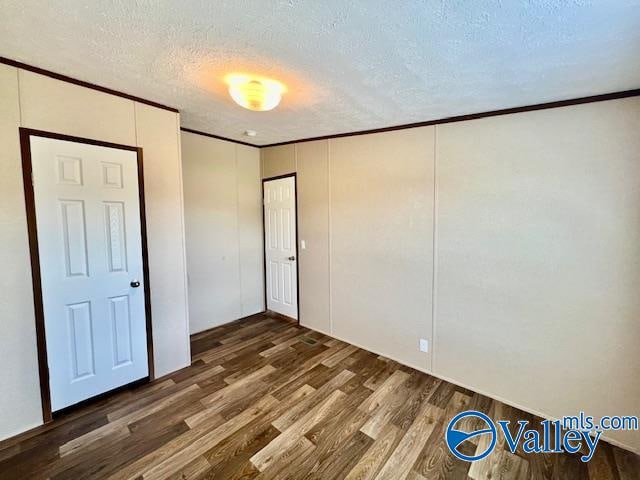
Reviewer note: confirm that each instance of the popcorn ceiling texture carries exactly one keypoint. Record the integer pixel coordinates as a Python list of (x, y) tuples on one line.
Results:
[(348, 65)]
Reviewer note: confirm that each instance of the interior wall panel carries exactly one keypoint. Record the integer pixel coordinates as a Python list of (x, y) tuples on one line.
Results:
[(278, 160), (381, 241), (250, 230), (313, 229), (223, 209), (55, 106), (538, 261), (20, 399), (537, 277), (157, 132), (211, 210)]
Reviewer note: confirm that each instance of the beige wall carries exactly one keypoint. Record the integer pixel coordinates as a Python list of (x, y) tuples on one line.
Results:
[(313, 228), (34, 101), (158, 133), (537, 241), (250, 230), (538, 246), (381, 233), (223, 212), (20, 400), (278, 160), (365, 209)]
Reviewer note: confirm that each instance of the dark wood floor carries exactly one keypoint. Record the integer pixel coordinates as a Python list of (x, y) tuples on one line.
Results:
[(266, 399)]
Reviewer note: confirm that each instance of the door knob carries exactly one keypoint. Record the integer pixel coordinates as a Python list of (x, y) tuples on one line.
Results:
[(292, 258), (135, 283)]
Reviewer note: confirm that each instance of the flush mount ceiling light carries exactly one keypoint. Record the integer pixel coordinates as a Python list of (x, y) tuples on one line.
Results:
[(255, 93)]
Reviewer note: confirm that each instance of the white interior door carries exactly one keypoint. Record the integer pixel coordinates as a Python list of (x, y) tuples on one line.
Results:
[(280, 246), (89, 239)]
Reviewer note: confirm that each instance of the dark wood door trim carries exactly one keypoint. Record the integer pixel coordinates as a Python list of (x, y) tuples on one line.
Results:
[(43, 367), (264, 242)]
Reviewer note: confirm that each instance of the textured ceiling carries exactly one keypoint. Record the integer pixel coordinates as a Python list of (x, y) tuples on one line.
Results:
[(351, 65)]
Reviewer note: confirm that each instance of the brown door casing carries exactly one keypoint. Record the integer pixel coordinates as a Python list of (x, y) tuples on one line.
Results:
[(43, 367), (264, 246)]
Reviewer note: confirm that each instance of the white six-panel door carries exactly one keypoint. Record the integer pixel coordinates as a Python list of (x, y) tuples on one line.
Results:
[(280, 246), (89, 237)]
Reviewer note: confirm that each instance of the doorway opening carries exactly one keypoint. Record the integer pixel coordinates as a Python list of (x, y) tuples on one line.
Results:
[(88, 243), (280, 222)]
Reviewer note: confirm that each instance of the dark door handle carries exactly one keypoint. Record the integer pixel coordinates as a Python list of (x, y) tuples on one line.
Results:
[(135, 284), (292, 258)]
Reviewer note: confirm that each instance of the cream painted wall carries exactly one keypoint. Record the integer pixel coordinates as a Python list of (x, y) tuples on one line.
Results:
[(38, 102), (539, 259), (55, 106), (538, 241), (313, 228), (278, 160), (250, 230), (381, 241), (223, 211), (158, 133), (211, 216), (20, 399), (365, 210)]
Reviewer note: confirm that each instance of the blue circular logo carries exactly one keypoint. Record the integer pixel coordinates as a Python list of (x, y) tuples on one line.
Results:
[(455, 438)]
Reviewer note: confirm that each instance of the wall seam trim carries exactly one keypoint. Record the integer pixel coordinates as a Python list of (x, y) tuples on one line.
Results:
[(329, 243), (184, 236), (434, 270), (237, 170)]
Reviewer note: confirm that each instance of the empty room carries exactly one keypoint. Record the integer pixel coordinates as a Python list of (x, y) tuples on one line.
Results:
[(298, 239)]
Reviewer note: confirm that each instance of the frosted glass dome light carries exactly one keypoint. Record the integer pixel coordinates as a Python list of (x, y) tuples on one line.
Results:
[(254, 93)]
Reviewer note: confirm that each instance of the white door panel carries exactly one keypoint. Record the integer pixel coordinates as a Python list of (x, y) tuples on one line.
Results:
[(89, 239), (280, 246)]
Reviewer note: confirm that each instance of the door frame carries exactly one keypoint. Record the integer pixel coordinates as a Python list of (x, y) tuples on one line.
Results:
[(32, 230), (264, 246)]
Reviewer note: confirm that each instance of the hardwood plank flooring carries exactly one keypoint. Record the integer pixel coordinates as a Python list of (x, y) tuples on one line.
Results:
[(265, 399)]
